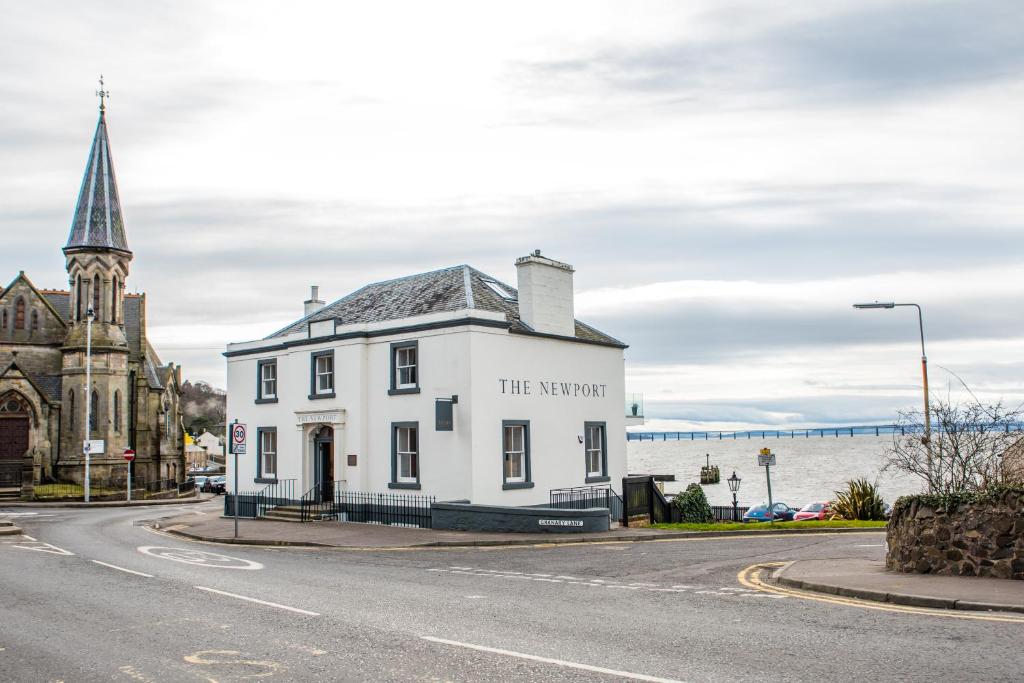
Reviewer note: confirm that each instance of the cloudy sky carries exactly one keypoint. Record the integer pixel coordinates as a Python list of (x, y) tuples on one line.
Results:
[(726, 177)]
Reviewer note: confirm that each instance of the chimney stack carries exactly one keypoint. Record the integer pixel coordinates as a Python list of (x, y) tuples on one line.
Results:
[(546, 295), (315, 303)]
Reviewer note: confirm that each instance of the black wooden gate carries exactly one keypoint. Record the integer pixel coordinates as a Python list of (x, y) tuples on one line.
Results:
[(643, 502)]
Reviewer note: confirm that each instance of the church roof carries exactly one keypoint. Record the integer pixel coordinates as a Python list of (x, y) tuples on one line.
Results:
[(98, 222), (450, 289)]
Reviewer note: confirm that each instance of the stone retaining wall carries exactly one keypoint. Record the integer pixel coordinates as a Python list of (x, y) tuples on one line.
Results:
[(974, 539)]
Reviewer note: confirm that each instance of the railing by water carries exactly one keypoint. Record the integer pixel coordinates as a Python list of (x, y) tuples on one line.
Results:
[(804, 433)]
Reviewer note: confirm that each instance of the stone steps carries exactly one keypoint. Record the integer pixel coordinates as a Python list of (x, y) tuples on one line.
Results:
[(7, 528), (284, 513)]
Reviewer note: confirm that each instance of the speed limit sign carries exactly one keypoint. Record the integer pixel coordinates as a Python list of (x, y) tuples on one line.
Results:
[(238, 439)]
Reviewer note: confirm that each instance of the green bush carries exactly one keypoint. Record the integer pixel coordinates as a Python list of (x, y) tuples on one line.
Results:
[(860, 500), (693, 505), (948, 502)]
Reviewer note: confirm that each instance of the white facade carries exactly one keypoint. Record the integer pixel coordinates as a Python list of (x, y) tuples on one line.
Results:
[(553, 386)]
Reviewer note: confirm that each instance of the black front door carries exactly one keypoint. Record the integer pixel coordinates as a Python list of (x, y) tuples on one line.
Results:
[(325, 469)]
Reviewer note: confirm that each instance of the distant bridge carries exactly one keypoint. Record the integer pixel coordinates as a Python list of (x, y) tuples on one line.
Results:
[(804, 433)]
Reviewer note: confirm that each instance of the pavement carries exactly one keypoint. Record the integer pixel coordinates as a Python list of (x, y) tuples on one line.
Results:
[(870, 580), (219, 529), (197, 498), (129, 603)]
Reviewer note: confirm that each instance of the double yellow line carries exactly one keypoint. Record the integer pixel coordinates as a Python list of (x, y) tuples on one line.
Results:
[(751, 578)]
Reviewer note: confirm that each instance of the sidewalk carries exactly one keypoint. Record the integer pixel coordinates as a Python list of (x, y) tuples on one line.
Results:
[(57, 503), (217, 529), (869, 580)]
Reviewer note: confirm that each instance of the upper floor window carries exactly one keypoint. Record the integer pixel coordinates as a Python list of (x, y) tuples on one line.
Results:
[(405, 372), (94, 409), (3, 318), (117, 411), (322, 374), (596, 451), (113, 301), (266, 381), (35, 320), (96, 296), (19, 314)]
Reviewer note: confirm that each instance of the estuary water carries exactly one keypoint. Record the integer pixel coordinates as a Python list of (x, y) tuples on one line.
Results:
[(807, 469)]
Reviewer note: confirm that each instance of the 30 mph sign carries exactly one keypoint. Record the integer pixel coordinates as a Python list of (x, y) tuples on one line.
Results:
[(238, 439)]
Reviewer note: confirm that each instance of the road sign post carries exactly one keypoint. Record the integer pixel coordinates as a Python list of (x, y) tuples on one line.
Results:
[(238, 434), (766, 459), (129, 455)]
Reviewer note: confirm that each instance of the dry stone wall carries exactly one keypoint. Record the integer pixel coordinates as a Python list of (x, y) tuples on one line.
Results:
[(984, 538)]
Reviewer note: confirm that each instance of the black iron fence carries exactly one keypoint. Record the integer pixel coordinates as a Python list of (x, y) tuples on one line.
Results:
[(727, 513), (583, 497), (247, 504), (396, 509), (278, 494), (316, 505)]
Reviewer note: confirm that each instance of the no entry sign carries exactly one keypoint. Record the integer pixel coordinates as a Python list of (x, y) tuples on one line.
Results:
[(129, 454), (238, 435)]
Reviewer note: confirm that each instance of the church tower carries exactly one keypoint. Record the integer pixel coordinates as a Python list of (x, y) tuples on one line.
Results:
[(97, 261)]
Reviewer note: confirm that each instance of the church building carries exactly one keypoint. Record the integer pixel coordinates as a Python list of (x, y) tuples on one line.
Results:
[(449, 383), (133, 397)]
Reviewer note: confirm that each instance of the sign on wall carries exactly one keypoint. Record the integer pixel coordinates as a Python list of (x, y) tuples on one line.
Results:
[(94, 446), (444, 415), (526, 387)]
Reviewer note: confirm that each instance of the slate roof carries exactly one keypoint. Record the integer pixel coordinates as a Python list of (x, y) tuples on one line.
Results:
[(98, 221), (50, 384), (449, 289), (61, 302)]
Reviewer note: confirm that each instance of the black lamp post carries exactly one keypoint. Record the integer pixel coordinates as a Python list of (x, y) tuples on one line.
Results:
[(734, 486)]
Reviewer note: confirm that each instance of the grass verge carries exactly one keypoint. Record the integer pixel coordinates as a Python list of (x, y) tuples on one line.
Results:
[(764, 526)]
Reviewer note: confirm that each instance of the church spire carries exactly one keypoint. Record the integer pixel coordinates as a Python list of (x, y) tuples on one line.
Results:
[(97, 223)]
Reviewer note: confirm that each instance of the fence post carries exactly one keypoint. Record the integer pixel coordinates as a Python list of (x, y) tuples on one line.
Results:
[(625, 504)]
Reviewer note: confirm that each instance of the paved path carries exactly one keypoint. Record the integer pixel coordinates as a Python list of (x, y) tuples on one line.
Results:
[(89, 595)]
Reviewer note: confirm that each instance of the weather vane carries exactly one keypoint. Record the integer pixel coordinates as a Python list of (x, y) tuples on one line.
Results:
[(102, 94)]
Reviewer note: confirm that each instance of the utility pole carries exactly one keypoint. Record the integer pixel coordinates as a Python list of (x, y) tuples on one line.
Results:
[(89, 315)]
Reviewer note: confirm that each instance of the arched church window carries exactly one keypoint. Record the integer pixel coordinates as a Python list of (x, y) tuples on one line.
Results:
[(113, 301), (71, 410), (96, 296), (94, 412), (117, 412), (78, 299), (35, 320), (3, 326), (19, 314)]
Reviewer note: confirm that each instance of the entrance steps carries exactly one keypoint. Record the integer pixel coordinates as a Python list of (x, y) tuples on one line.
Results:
[(7, 528), (10, 493), (284, 513)]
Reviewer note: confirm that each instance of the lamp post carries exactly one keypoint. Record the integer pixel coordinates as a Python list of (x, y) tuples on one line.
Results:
[(734, 486), (89, 315), (924, 374)]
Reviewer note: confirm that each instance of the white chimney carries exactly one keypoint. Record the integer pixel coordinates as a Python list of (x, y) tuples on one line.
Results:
[(545, 294), (314, 304)]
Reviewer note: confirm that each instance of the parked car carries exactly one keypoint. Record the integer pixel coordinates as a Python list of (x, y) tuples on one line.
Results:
[(200, 480), (759, 513), (817, 510), (214, 485)]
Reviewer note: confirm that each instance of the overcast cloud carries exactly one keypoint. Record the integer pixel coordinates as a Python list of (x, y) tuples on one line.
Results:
[(727, 178)]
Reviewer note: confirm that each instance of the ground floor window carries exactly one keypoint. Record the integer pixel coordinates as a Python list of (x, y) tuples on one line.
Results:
[(405, 465), (515, 446), (596, 451), (267, 457)]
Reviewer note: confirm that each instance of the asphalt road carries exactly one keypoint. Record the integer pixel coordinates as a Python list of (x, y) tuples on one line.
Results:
[(671, 610)]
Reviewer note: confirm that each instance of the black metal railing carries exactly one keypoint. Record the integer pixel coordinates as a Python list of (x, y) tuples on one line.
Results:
[(10, 475), (583, 497), (154, 486), (280, 493), (396, 509), (315, 505), (186, 486), (725, 513), (247, 504)]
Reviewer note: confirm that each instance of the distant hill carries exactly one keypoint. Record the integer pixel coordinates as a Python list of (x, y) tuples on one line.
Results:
[(204, 408)]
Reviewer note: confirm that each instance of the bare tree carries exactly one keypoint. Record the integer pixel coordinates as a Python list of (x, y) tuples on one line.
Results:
[(968, 444)]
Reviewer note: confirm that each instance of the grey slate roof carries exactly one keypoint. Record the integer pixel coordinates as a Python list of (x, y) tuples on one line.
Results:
[(98, 222), (61, 301), (449, 289), (50, 384)]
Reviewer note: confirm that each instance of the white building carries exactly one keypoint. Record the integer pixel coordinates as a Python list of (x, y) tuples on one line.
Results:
[(448, 383)]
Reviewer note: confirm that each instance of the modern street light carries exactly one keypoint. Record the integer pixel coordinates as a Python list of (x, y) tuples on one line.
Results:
[(89, 315), (734, 486), (924, 373)]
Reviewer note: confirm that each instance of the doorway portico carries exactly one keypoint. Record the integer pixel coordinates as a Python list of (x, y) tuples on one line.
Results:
[(323, 436)]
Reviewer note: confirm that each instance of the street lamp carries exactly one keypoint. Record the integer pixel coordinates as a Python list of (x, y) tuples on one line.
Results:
[(734, 486), (924, 373), (89, 315)]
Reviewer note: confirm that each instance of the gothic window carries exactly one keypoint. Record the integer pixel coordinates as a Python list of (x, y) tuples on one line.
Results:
[(71, 410), (117, 412), (113, 301), (35, 320), (96, 296), (3, 326), (19, 314), (94, 413), (78, 299)]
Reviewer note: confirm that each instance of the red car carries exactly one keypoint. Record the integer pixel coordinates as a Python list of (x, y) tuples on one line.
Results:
[(812, 511)]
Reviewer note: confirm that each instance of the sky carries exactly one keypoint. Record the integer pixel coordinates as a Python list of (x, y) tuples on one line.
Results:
[(727, 178)]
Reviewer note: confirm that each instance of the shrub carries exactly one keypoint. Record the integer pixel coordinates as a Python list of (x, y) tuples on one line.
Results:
[(860, 500), (693, 505)]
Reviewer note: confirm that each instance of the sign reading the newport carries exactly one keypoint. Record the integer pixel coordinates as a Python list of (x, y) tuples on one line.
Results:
[(328, 416), (525, 387), (560, 522)]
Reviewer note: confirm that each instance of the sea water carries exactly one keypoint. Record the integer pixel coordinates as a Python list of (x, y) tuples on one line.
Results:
[(807, 468)]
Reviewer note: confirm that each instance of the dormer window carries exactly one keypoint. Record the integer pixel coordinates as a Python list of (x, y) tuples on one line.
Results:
[(405, 368)]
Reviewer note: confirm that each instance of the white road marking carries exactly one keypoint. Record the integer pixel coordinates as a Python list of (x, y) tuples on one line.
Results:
[(27, 537), (258, 602), (122, 569), (44, 548), (199, 558), (556, 662)]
